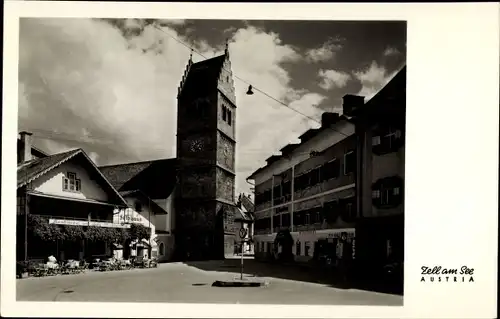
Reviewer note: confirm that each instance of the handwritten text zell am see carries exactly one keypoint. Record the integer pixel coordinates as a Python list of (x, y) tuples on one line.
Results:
[(440, 274)]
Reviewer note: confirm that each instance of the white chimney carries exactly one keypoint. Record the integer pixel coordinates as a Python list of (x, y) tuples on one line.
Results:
[(26, 141)]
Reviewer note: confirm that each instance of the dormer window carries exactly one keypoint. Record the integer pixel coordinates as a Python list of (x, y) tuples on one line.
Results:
[(71, 183)]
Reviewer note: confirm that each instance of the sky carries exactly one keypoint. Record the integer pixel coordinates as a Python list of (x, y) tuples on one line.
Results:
[(109, 86)]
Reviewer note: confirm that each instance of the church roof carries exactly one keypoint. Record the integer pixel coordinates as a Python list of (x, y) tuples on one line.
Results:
[(156, 178), (136, 193), (120, 174), (202, 77)]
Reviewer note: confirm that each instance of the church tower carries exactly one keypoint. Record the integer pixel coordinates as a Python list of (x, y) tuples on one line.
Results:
[(206, 127)]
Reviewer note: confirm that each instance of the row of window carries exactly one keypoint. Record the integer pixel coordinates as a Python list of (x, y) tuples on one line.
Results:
[(282, 192), (319, 247), (329, 212), (227, 115), (261, 248)]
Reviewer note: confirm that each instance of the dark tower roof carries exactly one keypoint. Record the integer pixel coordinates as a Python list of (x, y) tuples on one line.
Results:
[(202, 77)]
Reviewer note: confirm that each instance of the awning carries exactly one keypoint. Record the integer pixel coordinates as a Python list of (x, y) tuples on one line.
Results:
[(144, 243)]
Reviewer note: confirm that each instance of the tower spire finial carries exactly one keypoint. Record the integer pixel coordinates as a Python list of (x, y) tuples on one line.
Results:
[(227, 46)]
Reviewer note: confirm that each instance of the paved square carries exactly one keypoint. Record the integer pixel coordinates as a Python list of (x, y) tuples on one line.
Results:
[(191, 283)]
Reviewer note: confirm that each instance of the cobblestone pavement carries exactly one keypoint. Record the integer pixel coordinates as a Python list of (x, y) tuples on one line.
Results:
[(179, 282)]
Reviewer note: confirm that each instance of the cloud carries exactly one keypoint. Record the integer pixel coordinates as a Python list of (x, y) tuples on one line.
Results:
[(333, 79), (325, 52), (372, 79), (112, 86), (229, 30), (390, 51), (94, 157)]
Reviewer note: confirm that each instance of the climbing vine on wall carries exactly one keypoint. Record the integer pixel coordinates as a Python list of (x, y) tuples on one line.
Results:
[(40, 228), (139, 232)]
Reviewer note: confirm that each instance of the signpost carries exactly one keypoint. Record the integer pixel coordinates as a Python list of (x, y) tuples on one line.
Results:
[(243, 234)]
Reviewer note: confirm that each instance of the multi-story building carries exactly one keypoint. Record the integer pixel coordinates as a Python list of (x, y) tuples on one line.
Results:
[(310, 190), (380, 131), (344, 178)]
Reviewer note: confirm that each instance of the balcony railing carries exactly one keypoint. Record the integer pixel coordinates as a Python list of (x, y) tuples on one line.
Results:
[(315, 226)]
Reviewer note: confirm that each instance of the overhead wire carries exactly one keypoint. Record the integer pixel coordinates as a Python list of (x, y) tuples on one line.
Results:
[(243, 80)]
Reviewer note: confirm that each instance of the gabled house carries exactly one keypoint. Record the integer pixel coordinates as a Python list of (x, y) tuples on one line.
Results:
[(143, 211), (65, 189), (149, 183)]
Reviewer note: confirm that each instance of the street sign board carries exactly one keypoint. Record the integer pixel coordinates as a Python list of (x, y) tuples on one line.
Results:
[(243, 233)]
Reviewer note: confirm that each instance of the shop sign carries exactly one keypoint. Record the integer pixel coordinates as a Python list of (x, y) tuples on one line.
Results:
[(307, 232), (85, 223), (339, 234), (130, 219)]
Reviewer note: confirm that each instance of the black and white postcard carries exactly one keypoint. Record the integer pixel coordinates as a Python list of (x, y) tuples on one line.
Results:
[(250, 160)]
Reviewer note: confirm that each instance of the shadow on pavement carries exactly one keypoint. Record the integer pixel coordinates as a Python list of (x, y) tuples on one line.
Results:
[(297, 272)]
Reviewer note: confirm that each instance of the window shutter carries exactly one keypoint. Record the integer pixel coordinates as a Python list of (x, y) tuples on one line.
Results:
[(395, 191), (63, 184), (375, 140)]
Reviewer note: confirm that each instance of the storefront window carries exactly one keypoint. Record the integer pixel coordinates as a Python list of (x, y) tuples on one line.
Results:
[(388, 248), (307, 247)]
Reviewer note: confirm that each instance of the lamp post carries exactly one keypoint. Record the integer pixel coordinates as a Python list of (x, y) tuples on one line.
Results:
[(150, 252)]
